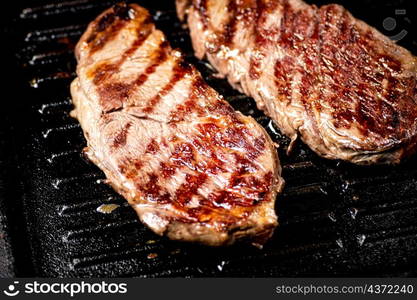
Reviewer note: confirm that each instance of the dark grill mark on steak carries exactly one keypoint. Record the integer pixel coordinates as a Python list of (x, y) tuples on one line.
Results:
[(167, 169), (256, 191), (113, 95), (189, 188), (179, 72), (283, 74), (138, 164), (121, 137), (231, 138), (108, 26), (185, 109), (226, 37), (224, 110), (211, 162), (101, 25), (262, 36), (183, 155), (130, 169), (106, 70), (259, 147), (287, 26), (106, 36), (152, 147), (254, 64), (237, 137), (160, 58), (191, 105), (123, 11), (151, 191)]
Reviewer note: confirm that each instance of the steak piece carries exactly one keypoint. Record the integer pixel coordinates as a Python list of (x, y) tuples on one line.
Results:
[(347, 90), (191, 167)]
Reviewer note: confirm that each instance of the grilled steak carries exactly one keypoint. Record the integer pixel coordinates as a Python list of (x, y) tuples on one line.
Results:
[(191, 167), (347, 90)]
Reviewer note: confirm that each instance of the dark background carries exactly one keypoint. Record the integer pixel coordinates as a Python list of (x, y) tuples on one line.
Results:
[(336, 219)]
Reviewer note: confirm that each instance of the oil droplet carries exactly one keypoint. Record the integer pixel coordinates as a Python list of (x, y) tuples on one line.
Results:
[(339, 242), (323, 190), (152, 255), (51, 159), (157, 15), (271, 127), (42, 109), (46, 133), (332, 216), (176, 251), (353, 212), (345, 186), (34, 83), (361, 239), (107, 208)]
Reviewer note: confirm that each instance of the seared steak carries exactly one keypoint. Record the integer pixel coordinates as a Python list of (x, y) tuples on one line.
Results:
[(347, 90), (191, 167)]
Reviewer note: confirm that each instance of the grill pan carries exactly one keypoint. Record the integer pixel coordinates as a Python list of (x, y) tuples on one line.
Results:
[(336, 219)]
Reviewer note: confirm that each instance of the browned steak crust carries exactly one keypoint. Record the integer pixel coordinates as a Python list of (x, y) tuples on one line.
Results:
[(319, 73), (191, 167)]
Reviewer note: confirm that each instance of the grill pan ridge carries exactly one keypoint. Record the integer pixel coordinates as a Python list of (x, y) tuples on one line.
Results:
[(336, 219)]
